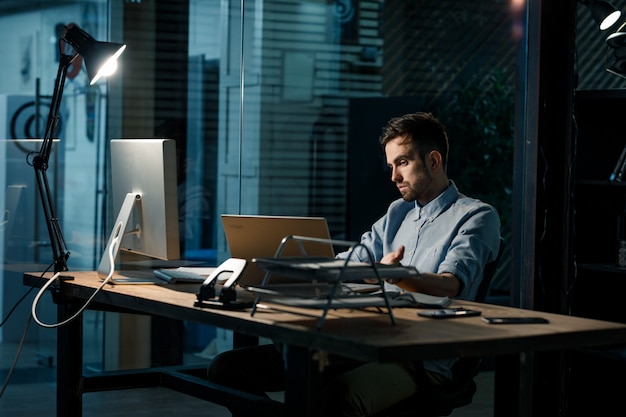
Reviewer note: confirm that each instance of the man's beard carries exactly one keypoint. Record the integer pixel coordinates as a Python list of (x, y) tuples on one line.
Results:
[(410, 194)]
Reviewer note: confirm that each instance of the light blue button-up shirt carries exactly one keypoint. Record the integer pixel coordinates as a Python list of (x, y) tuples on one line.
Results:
[(452, 233)]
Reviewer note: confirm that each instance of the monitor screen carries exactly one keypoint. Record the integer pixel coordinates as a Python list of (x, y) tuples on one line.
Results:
[(144, 191)]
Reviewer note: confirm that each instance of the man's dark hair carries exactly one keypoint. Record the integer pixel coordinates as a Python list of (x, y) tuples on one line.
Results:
[(422, 130)]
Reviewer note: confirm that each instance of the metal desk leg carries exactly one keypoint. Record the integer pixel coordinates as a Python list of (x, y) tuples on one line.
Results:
[(526, 378), (514, 385), (69, 362), (299, 382)]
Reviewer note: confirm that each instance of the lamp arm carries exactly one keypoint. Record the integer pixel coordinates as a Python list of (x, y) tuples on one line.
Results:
[(57, 241), (40, 163)]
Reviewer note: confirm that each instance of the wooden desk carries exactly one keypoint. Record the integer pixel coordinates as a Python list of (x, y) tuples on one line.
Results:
[(364, 335)]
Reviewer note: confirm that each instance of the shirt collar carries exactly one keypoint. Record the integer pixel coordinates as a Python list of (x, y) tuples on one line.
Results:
[(441, 203)]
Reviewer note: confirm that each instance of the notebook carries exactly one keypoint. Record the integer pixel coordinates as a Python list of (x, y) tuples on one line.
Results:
[(257, 236)]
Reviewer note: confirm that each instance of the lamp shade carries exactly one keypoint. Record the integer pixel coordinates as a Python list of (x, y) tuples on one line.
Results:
[(100, 57), (605, 14), (617, 42)]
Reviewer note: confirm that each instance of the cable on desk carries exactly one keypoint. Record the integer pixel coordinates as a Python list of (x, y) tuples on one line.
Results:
[(112, 250)]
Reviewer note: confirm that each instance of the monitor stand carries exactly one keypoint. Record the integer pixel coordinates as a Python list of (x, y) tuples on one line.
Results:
[(107, 262)]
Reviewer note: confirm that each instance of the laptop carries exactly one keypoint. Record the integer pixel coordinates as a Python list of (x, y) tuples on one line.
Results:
[(257, 236)]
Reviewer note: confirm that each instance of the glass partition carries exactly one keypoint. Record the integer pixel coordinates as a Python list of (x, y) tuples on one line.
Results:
[(276, 107), (32, 51)]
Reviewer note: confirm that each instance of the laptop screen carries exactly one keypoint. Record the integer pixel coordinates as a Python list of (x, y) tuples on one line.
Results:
[(256, 236)]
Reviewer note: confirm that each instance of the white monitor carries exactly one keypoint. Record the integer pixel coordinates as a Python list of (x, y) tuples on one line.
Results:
[(144, 191)]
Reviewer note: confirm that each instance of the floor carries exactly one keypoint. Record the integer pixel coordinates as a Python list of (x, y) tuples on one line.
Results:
[(31, 392), (18, 401)]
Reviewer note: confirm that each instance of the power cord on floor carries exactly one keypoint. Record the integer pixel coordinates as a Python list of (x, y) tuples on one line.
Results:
[(17, 355), (25, 331), (33, 315), (112, 251)]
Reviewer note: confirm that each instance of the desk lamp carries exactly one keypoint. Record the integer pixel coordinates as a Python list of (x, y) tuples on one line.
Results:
[(616, 54), (604, 13), (100, 61)]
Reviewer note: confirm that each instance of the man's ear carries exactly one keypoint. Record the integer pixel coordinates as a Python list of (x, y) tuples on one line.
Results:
[(434, 161)]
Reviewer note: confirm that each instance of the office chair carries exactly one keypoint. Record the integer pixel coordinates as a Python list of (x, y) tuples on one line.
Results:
[(441, 401)]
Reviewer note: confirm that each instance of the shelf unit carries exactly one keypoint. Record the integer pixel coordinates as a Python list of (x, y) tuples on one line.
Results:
[(599, 284)]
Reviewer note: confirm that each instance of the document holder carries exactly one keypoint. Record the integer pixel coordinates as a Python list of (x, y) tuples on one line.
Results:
[(327, 278), (207, 295)]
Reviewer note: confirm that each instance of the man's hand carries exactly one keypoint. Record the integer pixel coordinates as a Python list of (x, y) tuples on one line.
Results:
[(393, 257)]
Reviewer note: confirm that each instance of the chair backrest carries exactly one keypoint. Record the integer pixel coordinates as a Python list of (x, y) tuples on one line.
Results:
[(488, 273)]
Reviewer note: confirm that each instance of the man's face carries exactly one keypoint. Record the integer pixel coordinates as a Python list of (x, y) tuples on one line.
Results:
[(408, 172)]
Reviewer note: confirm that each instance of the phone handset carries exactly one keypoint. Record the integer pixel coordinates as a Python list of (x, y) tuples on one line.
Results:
[(207, 293)]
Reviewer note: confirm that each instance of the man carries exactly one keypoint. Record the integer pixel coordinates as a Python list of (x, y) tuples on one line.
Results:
[(447, 236)]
